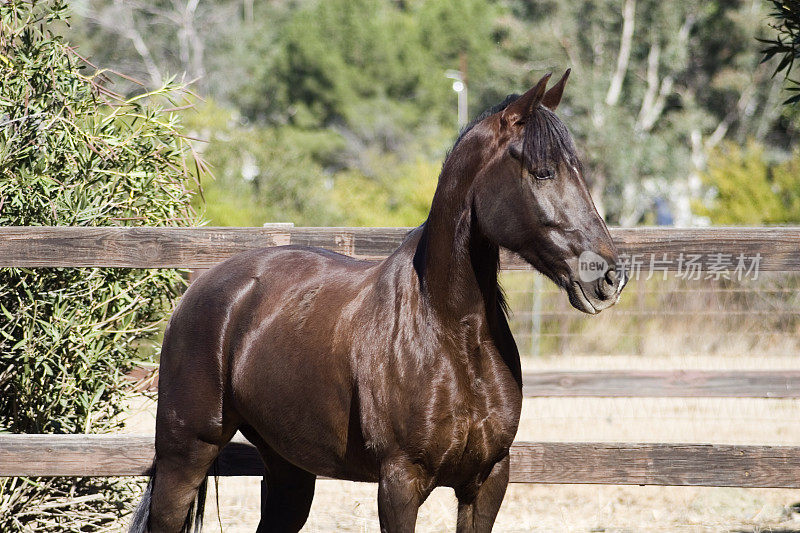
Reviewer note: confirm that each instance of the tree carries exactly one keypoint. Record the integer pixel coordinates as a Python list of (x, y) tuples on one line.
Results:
[(74, 153), (402, 201), (261, 173), (656, 86), (153, 39)]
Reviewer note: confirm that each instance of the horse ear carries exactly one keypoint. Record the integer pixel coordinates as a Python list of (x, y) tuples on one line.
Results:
[(552, 97), (519, 110)]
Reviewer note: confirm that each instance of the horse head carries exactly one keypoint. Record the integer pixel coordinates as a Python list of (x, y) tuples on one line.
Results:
[(530, 197)]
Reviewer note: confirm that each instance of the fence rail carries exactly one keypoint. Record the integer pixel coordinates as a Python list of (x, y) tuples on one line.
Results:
[(776, 384), (708, 465), (779, 248), (663, 384)]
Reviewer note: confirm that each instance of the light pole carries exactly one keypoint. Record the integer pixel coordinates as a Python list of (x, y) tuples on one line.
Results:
[(460, 87)]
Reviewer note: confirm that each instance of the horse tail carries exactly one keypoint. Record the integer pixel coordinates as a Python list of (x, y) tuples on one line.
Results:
[(194, 518), (141, 515)]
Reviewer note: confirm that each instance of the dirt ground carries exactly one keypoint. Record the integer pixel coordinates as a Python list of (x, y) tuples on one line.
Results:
[(341, 506), (351, 507)]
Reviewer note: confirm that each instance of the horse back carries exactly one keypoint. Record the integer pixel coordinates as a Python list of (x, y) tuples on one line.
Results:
[(261, 336)]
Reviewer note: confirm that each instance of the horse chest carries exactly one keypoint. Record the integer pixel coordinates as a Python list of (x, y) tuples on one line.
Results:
[(480, 428), (453, 406), (469, 423)]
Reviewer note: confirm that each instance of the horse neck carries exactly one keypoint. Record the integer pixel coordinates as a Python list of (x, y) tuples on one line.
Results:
[(457, 264)]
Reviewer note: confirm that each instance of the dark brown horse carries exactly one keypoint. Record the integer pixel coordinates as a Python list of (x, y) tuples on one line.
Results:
[(403, 372)]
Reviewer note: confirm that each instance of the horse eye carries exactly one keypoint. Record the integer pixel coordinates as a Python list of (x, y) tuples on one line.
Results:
[(544, 174)]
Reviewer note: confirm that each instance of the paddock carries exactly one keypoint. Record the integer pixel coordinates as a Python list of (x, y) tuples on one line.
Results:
[(533, 462)]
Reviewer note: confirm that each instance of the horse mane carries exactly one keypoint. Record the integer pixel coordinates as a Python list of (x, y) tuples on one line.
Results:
[(486, 112), (502, 302)]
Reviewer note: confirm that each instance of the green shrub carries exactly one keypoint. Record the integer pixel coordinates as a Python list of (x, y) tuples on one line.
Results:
[(74, 153), (747, 189)]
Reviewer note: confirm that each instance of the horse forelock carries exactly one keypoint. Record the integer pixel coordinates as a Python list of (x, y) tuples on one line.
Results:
[(546, 141)]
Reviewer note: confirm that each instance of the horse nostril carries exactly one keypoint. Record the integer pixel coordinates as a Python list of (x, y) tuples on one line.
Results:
[(611, 277)]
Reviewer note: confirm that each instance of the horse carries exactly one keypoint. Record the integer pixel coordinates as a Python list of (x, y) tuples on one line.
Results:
[(402, 372)]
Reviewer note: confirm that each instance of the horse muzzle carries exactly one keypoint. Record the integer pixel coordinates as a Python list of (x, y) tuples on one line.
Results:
[(592, 294)]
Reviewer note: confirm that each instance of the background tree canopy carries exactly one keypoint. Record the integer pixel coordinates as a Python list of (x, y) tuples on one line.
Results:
[(312, 103)]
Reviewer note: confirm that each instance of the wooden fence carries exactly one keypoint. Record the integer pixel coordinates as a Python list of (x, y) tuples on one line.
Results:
[(777, 249)]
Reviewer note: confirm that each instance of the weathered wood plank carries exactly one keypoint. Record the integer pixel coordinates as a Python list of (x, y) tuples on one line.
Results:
[(664, 384), (104, 455), (75, 455), (710, 465), (705, 465), (176, 247), (779, 248)]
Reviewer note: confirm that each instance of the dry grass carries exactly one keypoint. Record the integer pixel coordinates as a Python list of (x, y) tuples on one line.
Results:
[(344, 506)]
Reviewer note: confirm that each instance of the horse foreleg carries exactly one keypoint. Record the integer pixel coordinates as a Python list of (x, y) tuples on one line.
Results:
[(400, 493), (477, 510)]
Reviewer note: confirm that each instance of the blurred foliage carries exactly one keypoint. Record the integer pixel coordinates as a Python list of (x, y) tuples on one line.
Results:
[(74, 153), (749, 190), (328, 94), (366, 59), (403, 199), (261, 173), (691, 78)]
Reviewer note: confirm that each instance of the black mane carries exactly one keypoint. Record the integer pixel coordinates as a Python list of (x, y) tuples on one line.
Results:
[(486, 113)]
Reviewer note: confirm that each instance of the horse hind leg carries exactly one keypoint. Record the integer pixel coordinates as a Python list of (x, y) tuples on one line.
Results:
[(178, 485), (193, 421), (290, 490), (190, 434)]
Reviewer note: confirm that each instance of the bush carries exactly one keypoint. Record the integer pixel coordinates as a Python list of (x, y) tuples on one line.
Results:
[(747, 189), (74, 153)]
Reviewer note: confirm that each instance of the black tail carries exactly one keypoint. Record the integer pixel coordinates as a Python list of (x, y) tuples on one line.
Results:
[(141, 516), (140, 523), (194, 518)]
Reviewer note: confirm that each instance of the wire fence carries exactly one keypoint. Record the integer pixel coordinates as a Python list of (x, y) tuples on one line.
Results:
[(659, 324), (661, 318)]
